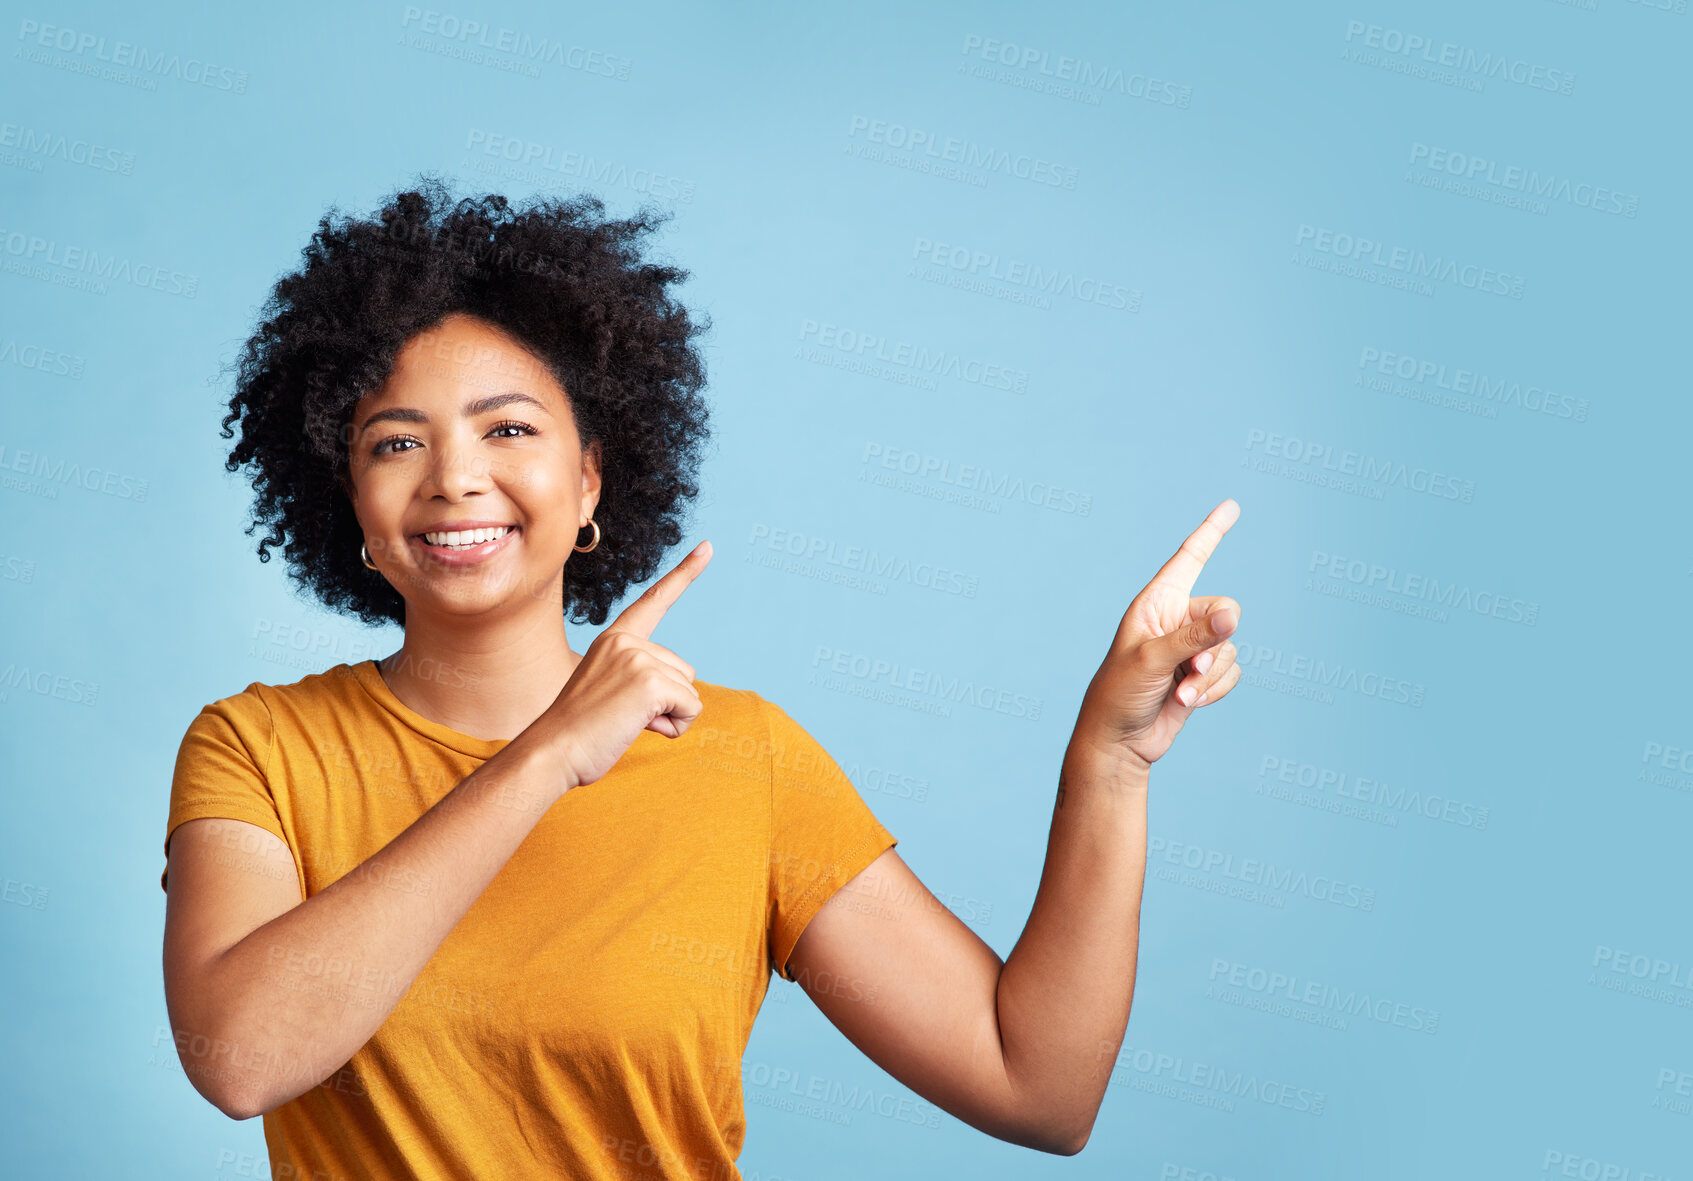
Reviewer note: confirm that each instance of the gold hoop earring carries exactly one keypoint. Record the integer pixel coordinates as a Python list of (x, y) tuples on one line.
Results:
[(591, 546), (365, 557)]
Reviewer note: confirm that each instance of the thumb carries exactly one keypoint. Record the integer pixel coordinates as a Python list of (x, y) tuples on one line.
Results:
[(1166, 653)]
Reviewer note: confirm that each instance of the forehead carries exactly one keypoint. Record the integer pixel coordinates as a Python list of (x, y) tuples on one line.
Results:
[(463, 354)]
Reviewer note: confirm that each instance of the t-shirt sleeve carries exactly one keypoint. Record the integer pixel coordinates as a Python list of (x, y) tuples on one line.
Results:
[(822, 833), (221, 769)]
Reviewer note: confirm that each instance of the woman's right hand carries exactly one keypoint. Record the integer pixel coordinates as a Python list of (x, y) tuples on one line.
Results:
[(625, 683)]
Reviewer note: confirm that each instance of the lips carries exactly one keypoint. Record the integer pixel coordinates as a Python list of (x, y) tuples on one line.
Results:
[(441, 555), (463, 536), (464, 526)]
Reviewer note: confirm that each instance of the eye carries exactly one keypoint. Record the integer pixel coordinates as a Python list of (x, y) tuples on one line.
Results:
[(381, 447), (390, 445)]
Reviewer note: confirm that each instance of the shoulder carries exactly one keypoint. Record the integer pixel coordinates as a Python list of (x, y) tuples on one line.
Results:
[(727, 707), (745, 706), (754, 712), (726, 695), (742, 727), (748, 725), (255, 706)]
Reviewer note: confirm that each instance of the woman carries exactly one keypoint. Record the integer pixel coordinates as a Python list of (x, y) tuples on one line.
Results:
[(493, 907)]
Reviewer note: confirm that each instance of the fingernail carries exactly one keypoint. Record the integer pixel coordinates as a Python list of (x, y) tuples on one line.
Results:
[(1202, 662), (1185, 695), (1222, 619)]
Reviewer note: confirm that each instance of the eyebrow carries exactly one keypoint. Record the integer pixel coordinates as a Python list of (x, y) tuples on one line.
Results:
[(470, 409)]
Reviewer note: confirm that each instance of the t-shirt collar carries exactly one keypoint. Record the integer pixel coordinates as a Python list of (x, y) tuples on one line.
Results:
[(370, 678)]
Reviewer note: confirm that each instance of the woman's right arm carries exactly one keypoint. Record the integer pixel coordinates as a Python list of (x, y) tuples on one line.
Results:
[(268, 995)]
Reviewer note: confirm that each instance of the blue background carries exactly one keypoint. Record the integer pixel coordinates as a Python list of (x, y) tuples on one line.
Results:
[(1215, 180)]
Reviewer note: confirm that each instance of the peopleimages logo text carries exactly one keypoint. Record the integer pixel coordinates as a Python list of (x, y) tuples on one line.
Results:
[(1300, 991), (1516, 178), (1472, 383), (1267, 874), (160, 64), (964, 152), (1461, 58), (1078, 70), (1020, 273), (1408, 261)]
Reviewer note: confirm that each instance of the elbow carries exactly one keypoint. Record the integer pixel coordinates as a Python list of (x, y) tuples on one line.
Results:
[(1071, 1144), (220, 1054), (230, 1094), (1058, 1137), (1069, 1134), (223, 1093), (1062, 1126), (212, 1069), (236, 1107), (1078, 1144)]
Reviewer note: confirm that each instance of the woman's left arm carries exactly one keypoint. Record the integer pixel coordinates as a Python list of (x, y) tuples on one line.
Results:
[(1023, 1048)]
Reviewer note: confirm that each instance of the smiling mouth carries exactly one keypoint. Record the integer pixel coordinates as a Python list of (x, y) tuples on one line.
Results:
[(464, 540)]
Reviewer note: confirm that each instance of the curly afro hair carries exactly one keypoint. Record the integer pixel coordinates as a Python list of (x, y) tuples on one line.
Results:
[(564, 280)]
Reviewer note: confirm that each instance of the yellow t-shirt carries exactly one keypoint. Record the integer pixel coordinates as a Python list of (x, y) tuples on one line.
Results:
[(588, 1015)]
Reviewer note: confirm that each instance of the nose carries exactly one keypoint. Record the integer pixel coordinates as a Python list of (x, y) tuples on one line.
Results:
[(457, 470)]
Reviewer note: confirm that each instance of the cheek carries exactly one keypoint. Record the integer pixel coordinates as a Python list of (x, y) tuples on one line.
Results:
[(547, 493), (380, 503)]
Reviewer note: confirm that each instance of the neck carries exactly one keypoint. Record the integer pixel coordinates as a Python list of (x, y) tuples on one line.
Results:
[(490, 681)]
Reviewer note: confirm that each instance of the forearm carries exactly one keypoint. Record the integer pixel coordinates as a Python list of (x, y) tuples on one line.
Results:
[(1066, 988), (300, 995)]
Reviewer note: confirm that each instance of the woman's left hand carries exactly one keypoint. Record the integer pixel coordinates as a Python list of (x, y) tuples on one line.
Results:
[(1170, 656)]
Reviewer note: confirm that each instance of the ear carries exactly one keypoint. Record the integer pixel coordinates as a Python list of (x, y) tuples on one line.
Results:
[(591, 477)]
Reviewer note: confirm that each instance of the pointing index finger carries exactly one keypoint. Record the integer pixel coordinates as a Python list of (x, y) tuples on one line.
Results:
[(641, 616), (1182, 570)]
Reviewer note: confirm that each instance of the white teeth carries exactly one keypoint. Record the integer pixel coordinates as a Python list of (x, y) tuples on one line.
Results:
[(463, 539)]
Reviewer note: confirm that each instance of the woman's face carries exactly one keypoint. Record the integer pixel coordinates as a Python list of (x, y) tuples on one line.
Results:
[(469, 431)]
